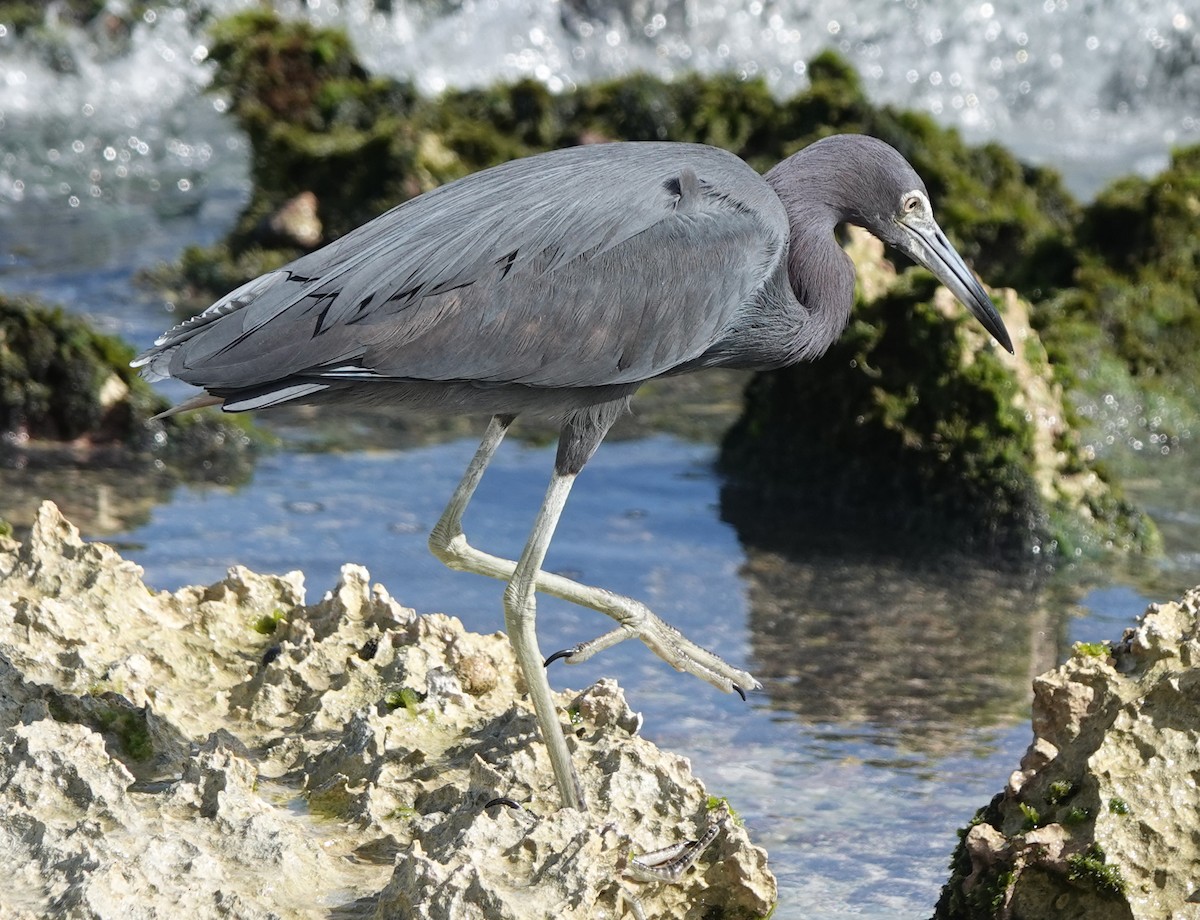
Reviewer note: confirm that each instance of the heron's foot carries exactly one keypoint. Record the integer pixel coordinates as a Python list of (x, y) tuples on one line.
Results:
[(668, 643)]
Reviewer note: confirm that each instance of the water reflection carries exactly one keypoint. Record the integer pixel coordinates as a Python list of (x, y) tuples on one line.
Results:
[(913, 648), (100, 500)]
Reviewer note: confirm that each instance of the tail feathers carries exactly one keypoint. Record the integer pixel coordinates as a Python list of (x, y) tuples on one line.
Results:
[(196, 402), (154, 363)]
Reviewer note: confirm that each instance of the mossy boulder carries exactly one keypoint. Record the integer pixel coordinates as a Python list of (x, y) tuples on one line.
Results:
[(65, 386), (316, 120), (26, 15), (914, 425), (62, 381), (1137, 285)]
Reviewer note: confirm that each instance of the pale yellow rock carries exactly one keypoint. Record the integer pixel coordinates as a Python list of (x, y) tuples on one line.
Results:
[(233, 751), (1101, 821)]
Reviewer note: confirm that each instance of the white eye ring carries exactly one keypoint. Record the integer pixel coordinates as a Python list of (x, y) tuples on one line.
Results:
[(912, 203)]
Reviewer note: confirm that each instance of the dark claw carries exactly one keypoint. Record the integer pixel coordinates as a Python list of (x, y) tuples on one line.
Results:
[(565, 653), (740, 692), (507, 802)]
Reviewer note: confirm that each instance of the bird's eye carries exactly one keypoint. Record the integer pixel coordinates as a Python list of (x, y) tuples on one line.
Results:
[(911, 203)]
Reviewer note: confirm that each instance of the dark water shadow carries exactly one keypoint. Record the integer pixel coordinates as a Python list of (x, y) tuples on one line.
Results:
[(871, 632)]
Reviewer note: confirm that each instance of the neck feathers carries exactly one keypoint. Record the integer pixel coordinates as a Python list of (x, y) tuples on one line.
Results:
[(820, 273), (822, 278)]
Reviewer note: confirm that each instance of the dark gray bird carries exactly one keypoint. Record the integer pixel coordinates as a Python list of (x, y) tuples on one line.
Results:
[(558, 285)]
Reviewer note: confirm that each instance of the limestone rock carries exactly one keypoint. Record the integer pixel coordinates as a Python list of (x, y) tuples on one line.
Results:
[(1100, 821), (233, 751)]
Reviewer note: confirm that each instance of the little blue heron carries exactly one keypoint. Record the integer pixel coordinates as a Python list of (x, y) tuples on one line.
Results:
[(559, 284)]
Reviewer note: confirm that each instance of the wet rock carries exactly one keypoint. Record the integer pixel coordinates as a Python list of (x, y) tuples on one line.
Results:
[(1100, 819), (296, 223), (197, 752)]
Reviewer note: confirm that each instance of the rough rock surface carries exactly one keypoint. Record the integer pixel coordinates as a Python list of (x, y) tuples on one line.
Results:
[(1102, 820), (231, 751)]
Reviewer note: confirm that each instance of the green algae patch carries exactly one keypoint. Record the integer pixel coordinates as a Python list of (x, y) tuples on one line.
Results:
[(60, 380), (26, 16), (316, 120), (1139, 278)]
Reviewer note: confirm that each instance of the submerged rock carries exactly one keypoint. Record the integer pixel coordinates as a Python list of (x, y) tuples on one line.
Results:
[(1100, 820), (232, 751)]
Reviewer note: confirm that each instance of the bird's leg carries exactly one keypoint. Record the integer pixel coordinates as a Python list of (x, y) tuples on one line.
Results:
[(520, 608), (449, 544), (446, 540)]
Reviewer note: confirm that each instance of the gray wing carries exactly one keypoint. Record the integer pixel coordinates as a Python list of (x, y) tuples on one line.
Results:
[(582, 267)]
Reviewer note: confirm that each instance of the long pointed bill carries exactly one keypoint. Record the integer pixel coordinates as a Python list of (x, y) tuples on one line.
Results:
[(927, 244)]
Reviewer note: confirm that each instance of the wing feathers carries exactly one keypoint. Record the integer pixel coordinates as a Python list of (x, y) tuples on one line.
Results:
[(581, 267)]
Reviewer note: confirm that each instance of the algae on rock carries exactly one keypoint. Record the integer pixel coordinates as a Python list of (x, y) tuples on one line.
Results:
[(1127, 328), (69, 400), (914, 421)]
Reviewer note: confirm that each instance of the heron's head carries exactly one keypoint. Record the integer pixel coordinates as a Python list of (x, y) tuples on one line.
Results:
[(883, 194)]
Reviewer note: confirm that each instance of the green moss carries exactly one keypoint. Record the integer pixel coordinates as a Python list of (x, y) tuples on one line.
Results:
[(1091, 649), (1077, 815), (1137, 283), (1060, 791), (713, 802), (895, 423), (63, 382), (130, 728), (1033, 818), (317, 121), (405, 698), (267, 623), (1090, 868), (1118, 806), (27, 15), (988, 892)]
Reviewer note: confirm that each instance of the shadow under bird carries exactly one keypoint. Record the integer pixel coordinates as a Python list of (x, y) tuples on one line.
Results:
[(557, 285)]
